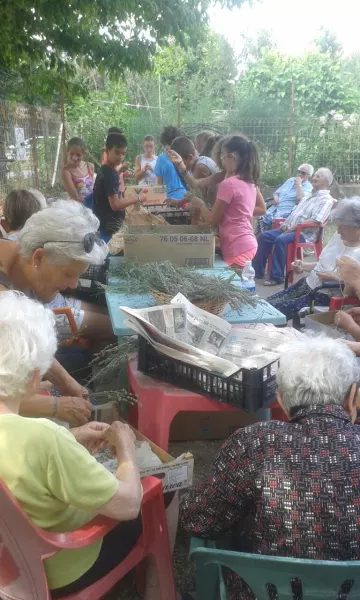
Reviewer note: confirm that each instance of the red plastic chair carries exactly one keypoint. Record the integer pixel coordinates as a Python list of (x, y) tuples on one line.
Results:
[(338, 302), (75, 337), (294, 251), (159, 402), (23, 547)]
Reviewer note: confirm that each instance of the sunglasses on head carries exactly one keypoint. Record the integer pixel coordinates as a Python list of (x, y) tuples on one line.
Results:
[(89, 241)]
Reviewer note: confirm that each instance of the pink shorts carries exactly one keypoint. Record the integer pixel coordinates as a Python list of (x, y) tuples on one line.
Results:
[(241, 259)]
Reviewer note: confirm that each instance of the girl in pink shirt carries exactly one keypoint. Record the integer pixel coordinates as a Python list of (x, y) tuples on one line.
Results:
[(238, 200)]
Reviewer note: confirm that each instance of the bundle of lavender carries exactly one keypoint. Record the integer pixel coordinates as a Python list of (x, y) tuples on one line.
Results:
[(166, 280)]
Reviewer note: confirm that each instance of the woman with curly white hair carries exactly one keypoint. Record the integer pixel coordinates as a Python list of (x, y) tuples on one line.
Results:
[(50, 471), (54, 247)]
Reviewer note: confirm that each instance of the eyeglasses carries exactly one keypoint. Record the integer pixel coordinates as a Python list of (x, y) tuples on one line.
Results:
[(302, 172), (89, 241)]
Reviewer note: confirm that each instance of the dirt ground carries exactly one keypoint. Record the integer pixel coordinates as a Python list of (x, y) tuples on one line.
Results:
[(204, 453)]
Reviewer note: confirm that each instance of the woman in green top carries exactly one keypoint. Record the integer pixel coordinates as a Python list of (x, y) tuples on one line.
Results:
[(52, 474)]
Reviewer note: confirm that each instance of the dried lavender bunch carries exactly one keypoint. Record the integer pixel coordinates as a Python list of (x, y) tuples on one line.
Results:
[(170, 279), (113, 358)]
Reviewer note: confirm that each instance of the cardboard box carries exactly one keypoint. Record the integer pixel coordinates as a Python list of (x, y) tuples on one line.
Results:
[(324, 323), (155, 194), (184, 245), (188, 426), (175, 474)]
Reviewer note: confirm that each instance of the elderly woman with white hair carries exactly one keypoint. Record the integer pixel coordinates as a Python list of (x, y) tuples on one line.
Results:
[(344, 243), (312, 210), (286, 197), (290, 488), (51, 471), (54, 247)]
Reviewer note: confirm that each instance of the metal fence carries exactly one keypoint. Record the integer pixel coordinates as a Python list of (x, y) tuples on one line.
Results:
[(31, 155), (333, 141), (29, 147)]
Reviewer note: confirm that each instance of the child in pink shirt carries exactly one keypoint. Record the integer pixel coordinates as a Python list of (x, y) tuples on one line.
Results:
[(238, 200)]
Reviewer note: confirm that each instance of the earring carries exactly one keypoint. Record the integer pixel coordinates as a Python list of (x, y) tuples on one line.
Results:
[(36, 266)]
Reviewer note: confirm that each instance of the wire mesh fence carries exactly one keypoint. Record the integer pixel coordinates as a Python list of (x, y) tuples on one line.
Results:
[(29, 147), (31, 154)]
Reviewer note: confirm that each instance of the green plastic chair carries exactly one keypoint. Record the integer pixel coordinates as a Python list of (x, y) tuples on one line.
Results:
[(320, 579)]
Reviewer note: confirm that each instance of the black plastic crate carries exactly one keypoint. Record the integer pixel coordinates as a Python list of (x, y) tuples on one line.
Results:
[(249, 389), (88, 288), (173, 216), (96, 273)]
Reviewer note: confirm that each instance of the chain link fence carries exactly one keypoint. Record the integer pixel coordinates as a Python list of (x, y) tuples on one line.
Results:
[(30, 148)]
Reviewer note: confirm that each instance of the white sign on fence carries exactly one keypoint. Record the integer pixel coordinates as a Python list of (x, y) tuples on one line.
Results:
[(20, 143)]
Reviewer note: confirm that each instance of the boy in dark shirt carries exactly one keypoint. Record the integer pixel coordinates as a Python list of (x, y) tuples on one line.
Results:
[(109, 205)]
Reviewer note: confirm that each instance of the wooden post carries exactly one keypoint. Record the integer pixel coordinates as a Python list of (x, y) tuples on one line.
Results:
[(291, 130), (34, 145), (178, 102), (63, 132)]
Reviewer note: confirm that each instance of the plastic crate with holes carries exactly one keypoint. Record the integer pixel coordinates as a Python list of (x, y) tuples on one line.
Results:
[(173, 216), (88, 288), (249, 389)]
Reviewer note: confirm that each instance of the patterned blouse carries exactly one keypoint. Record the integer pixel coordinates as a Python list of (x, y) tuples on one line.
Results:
[(316, 207), (286, 489)]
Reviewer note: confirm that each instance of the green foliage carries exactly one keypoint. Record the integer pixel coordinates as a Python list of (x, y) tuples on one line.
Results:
[(112, 34), (206, 73), (320, 82), (90, 117)]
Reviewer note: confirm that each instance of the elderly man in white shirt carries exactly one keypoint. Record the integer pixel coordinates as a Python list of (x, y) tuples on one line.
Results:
[(312, 209)]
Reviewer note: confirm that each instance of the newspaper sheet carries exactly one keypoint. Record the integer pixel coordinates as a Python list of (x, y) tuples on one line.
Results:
[(257, 345), (204, 330), (137, 320), (185, 332)]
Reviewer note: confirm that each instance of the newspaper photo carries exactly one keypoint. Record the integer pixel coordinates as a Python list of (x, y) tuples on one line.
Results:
[(204, 330), (187, 333), (167, 343)]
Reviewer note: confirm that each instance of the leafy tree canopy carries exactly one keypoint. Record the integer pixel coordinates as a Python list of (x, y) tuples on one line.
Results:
[(321, 81), (108, 34), (206, 73)]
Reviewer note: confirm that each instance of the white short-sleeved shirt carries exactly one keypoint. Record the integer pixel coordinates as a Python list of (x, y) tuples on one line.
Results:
[(327, 261)]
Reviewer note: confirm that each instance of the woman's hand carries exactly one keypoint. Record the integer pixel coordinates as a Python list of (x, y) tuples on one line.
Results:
[(349, 271), (297, 266), (121, 438), (354, 313), (91, 435), (354, 346), (344, 320), (70, 387), (72, 410)]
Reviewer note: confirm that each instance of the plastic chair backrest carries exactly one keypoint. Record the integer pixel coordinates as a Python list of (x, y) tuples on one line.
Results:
[(340, 302), (21, 551), (272, 577)]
